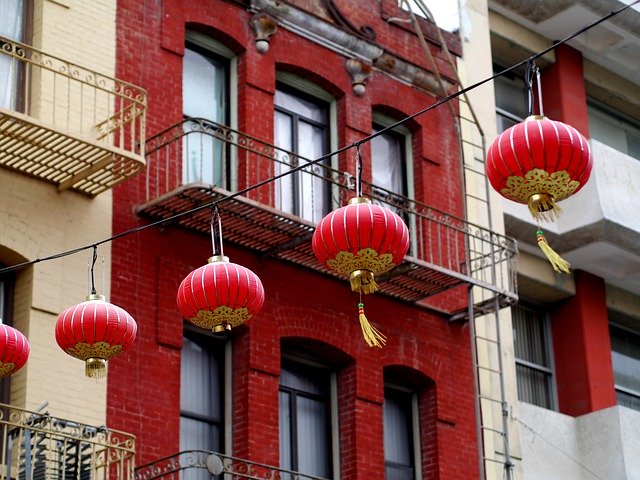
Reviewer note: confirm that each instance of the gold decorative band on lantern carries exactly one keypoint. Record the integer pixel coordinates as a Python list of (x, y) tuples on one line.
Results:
[(557, 186), (357, 200), (6, 368), (218, 258), (95, 368), (366, 259), (220, 319)]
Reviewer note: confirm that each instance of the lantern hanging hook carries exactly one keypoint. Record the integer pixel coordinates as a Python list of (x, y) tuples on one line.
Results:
[(94, 258), (216, 231), (533, 71), (358, 170)]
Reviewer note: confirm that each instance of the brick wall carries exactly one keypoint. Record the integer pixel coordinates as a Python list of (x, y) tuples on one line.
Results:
[(301, 306)]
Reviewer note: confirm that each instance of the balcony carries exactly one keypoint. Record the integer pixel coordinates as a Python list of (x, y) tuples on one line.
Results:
[(201, 465), (599, 230), (66, 124), (277, 220), (37, 446)]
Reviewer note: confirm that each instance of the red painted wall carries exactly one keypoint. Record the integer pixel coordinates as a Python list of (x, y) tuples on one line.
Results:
[(582, 349), (563, 90), (144, 383)]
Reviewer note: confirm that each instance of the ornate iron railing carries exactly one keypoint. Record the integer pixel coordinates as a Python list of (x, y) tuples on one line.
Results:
[(37, 446), (202, 465), (43, 96), (206, 154)]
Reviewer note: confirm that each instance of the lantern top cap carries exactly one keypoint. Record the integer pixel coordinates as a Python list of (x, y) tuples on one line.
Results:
[(357, 200), (95, 296), (218, 258), (535, 117)]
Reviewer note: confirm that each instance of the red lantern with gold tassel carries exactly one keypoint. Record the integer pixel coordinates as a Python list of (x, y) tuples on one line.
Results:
[(540, 162), (95, 331), (361, 240), (220, 295), (14, 350)]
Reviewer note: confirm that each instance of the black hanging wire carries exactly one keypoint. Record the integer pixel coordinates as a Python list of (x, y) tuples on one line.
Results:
[(262, 183)]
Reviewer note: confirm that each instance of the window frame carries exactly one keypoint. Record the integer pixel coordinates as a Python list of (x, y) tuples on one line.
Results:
[(315, 95), (332, 406), (549, 371), (226, 398), (414, 423), (208, 46), (622, 121), (514, 79), (619, 388)]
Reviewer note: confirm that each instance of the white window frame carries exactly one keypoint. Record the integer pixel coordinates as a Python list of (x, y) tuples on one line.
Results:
[(549, 371), (208, 43)]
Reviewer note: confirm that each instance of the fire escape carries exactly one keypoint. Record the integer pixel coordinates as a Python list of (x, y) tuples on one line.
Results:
[(67, 124)]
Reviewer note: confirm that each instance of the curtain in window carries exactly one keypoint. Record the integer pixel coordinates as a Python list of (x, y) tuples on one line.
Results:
[(532, 356), (305, 442), (204, 95), (387, 164), (300, 126), (201, 400), (11, 18), (398, 436), (625, 356)]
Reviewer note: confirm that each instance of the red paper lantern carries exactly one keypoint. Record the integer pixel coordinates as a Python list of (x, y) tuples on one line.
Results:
[(539, 162), (361, 240), (220, 295), (14, 350), (95, 331)]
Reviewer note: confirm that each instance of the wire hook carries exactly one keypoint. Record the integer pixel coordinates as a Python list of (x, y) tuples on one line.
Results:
[(358, 170), (94, 257), (216, 222)]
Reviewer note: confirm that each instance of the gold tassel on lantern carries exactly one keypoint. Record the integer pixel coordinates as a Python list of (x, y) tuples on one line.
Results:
[(363, 281), (372, 335), (559, 264), (543, 207)]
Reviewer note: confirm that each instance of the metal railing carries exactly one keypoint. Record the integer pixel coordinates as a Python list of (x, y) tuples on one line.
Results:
[(70, 97), (204, 465), (37, 446), (217, 155)]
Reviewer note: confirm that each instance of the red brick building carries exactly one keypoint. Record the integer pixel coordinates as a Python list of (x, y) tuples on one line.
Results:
[(296, 387)]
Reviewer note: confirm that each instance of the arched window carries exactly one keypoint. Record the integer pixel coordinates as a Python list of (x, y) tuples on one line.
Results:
[(409, 400), (203, 377), (302, 126), (208, 95)]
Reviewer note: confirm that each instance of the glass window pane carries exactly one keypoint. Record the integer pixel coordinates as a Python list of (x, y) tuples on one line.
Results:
[(302, 106), (200, 380), (11, 20), (304, 419), (625, 356), (398, 436), (204, 86), (313, 437), (511, 95), (388, 162), (533, 386), (529, 330)]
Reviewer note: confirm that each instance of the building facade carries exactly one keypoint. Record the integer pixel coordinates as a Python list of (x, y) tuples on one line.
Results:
[(239, 93), (575, 337)]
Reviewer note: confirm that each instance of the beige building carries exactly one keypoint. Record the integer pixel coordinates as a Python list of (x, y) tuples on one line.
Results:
[(66, 130)]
